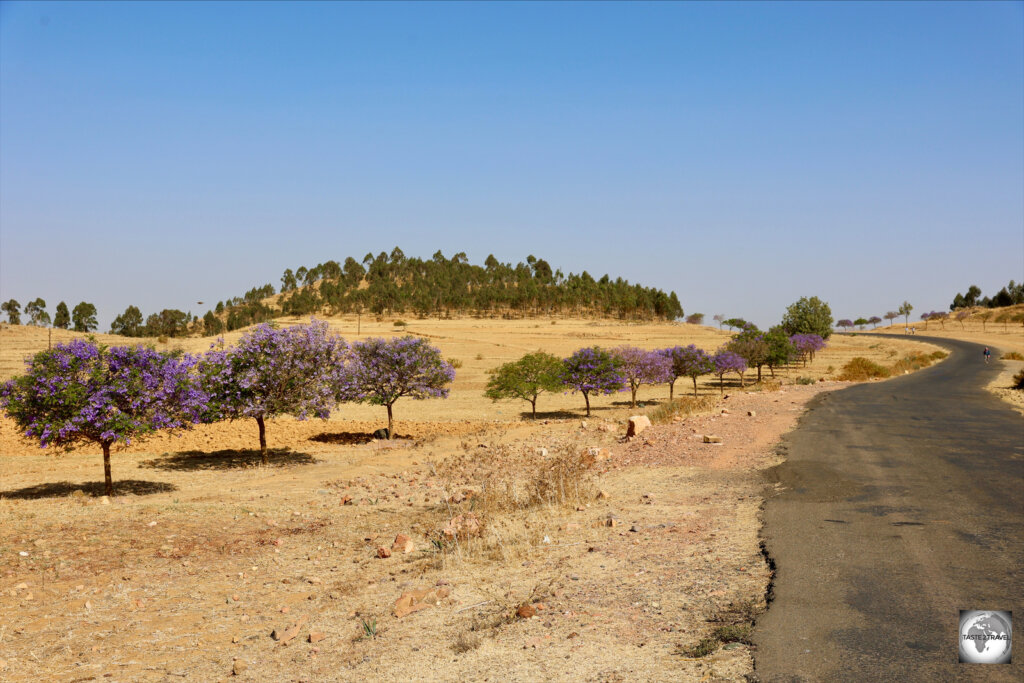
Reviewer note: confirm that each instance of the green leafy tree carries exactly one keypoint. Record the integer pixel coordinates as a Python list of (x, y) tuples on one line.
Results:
[(808, 315), (526, 379), (904, 310), (36, 312), (751, 346), (13, 310), (781, 349), (212, 324), (84, 317), (129, 323), (62, 318), (860, 322), (695, 319)]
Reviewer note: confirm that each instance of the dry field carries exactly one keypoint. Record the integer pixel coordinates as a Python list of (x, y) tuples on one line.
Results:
[(636, 562)]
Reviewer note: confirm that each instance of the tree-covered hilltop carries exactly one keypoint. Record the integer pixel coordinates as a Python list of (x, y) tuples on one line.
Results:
[(393, 284)]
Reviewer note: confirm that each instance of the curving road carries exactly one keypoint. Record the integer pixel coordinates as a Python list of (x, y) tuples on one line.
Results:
[(902, 502)]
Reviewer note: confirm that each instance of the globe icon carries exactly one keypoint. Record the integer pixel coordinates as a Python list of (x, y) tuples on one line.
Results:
[(985, 637)]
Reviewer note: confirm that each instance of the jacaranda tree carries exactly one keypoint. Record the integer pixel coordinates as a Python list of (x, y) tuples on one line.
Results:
[(807, 345), (384, 370), (80, 392), (639, 366), (299, 371), (526, 378), (592, 370), (688, 361), (727, 361)]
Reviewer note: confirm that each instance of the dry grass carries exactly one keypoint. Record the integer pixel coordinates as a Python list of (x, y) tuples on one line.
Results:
[(683, 407), (1013, 355), (861, 369)]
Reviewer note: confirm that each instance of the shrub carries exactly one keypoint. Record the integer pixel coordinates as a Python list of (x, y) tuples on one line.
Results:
[(399, 323), (455, 363), (1013, 355), (1018, 380), (860, 369), (682, 407), (805, 380)]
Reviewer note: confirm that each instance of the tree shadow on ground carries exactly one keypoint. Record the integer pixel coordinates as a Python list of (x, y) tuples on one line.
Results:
[(350, 438), (60, 489), (565, 414), (228, 459)]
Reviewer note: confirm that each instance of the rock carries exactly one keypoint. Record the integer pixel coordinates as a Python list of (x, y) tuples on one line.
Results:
[(525, 611), (612, 522), (346, 500), (288, 635), (572, 526), (603, 495), (751, 413), (239, 667), (634, 528), (383, 553), (105, 500), (710, 438), (403, 544), (414, 601), (637, 424), (316, 636), (583, 424), (605, 427), (725, 411), (463, 526), (542, 452), (599, 454)]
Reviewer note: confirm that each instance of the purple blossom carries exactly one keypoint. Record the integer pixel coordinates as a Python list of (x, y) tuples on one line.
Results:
[(80, 392), (592, 370), (807, 345), (299, 370), (688, 361), (639, 366), (383, 370), (727, 361)]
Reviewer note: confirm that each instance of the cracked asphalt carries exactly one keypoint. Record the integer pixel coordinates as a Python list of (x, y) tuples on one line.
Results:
[(901, 503)]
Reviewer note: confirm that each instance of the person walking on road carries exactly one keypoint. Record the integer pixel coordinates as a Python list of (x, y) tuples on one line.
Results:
[(987, 354)]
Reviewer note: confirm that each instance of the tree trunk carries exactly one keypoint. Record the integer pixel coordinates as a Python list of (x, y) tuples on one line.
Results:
[(533, 405), (694, 386), (759, 373), (632, 400), (391, 423), (671, 390), (108, 481), (263, 439), (721, 383), (586, 397)]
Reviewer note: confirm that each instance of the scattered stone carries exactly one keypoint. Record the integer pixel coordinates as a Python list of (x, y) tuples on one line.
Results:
[(525, 611), (599, 454), (542, 452), (751, 413), (239, 667), (725, 411), (151, 524), (463, 526), (105, 500), (583, 424), (383, 553), (637, 424), (403, 544), (611, 522), (634, 528), (288, 635), (346, 500), (605, 427), (603, 495), (316, 636), (414, 601), (710, 438)]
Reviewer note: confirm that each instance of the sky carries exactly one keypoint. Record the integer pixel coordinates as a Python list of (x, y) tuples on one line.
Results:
[(740, 154)]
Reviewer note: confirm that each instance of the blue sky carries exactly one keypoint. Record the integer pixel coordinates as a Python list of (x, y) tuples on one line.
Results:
[(741, 154)]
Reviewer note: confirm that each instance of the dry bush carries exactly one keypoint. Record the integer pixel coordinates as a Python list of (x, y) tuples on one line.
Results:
[(682, 407), (1013, 355), (1018, 380), (768, 385), (860, 369), (916, 361)]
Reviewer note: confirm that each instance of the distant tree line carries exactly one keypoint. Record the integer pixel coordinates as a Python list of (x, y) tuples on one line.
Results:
[(1009, 295), (81, 319)]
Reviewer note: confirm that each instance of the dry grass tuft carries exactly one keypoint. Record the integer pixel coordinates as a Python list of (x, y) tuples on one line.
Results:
[(1013, 355), (1018, 380), (682, 407), (861, 369)]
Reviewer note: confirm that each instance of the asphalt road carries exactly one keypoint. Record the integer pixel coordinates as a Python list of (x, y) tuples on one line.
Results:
[(902, 503)]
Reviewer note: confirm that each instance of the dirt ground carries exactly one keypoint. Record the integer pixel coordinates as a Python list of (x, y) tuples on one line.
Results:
[(640, 569)]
